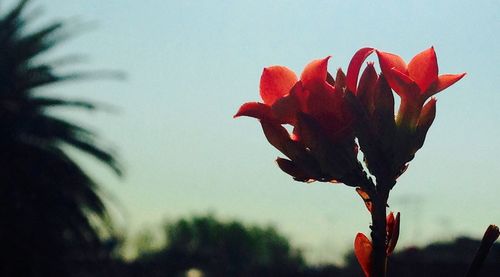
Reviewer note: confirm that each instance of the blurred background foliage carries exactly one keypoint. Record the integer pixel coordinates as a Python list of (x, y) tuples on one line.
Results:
[(220, 248)]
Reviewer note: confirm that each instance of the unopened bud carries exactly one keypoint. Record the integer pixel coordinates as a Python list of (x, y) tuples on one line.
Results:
[(340, 82), (491, 235), (425, 120), (367, 88)]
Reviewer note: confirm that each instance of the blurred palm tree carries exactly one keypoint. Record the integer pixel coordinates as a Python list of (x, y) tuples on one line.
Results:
[(53, 220)]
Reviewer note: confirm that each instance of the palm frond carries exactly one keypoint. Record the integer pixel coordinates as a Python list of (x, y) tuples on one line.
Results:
[(52, 211), (45, 102)]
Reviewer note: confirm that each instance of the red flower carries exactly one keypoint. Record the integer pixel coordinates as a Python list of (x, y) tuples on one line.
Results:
[(322, 121), (414, 83), (284, 96)]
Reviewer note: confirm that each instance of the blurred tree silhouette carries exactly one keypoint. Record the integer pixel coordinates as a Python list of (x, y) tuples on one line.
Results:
[(52, 215), (222, 249), (233, 249)]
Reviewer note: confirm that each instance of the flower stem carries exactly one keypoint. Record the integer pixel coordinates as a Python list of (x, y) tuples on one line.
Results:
[(490, 236), (379, 235)]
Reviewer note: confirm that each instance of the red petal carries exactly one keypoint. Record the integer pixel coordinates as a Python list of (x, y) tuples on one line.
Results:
[(254, 109), (423, 68), (363, 252), (275, 82), (389, 61), (292, 169), (355, 65), (404, 86), (287, 107), (314, 74), (443, 82), (277, 136)]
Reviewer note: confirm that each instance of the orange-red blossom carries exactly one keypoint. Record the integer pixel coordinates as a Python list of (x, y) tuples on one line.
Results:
[(321, 146), (415, 82)]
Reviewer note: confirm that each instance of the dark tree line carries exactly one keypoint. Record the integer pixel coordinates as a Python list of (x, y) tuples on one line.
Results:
[(219, 248)]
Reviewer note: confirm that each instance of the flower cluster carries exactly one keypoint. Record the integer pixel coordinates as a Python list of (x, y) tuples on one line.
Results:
[(321, 146), (328, 113), (331, 118)]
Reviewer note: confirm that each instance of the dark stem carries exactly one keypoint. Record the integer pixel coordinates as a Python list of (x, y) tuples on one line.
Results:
[(490, 236), (379, 234)]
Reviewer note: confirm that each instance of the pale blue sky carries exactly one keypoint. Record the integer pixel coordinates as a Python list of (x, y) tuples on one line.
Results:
[(190, 64)]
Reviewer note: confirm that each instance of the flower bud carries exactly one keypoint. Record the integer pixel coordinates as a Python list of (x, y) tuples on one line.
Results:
[(392, 227), (367, 87), (424, 122), (340, 80)]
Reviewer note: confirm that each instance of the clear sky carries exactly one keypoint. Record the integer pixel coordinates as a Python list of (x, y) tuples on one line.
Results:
[(190, 64)]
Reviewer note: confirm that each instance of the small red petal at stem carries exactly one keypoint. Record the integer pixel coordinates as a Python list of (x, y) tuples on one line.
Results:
[(254, 109), (363, 252), (423, 68), (276, 82), (446, 80), (366, 198), (355, 65), (315, 73), (394, 235)]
